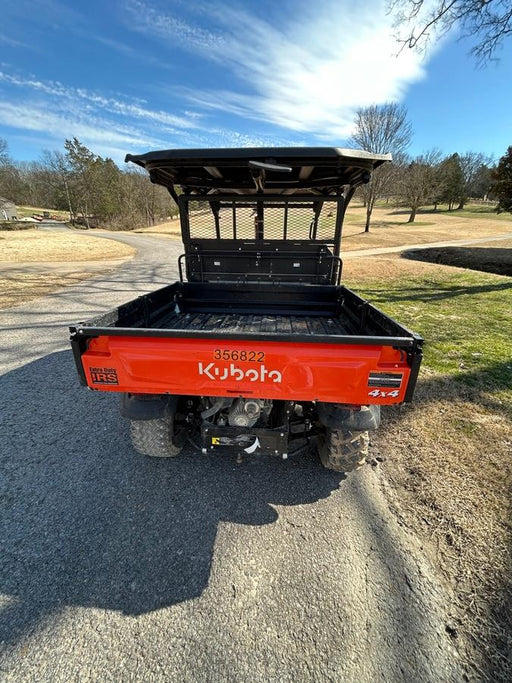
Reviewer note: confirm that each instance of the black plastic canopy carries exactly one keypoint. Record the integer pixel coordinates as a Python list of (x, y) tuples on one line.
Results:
[(260, 170)]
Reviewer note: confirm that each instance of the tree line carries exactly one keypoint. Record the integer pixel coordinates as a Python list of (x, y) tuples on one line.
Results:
[(429, 178), (93, 190)]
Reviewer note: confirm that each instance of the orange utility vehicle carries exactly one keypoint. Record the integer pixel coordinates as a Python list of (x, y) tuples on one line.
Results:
[(258, 348)]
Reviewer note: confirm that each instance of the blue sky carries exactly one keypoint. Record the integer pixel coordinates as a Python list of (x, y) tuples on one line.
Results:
[(134, 75)]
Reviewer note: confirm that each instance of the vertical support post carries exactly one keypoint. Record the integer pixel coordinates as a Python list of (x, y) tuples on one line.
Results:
[(259, 220), (215, 206), (234, 219), (184, 219), (340, 213), (285, 231)]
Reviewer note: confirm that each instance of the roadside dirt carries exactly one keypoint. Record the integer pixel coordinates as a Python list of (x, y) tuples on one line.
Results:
[(18, 286), (447, 475)]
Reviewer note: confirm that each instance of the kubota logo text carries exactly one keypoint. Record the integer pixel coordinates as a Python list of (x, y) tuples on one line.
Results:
[(222, 373)]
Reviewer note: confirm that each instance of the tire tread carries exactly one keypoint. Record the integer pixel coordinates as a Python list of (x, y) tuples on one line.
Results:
[(343, 451), (154, 437)]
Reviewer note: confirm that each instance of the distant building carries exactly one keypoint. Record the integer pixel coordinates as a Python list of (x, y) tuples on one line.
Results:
[(8, 210)]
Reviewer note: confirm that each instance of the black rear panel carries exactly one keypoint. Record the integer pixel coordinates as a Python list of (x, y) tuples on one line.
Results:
[(272, 239), (261, 214)]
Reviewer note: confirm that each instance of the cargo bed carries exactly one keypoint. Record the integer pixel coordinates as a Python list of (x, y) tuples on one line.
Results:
[(321, 343), (258, 311)]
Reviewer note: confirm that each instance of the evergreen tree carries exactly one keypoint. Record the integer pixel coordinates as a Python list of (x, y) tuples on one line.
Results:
[(451, 181), (502, 185)]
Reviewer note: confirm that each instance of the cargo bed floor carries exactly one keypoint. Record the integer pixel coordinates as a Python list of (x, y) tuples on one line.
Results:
[(246, 324)]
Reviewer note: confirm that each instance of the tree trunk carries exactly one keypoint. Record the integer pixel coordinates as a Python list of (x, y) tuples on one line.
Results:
[(368, 217), (86, 216), (71, 212), (435, 206), (461, 205), (412, 216)]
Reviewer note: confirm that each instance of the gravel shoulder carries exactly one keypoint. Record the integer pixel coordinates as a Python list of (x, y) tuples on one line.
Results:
[(195, 569)]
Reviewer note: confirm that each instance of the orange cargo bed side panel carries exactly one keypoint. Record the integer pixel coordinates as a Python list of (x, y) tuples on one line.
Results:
[(336, 373)]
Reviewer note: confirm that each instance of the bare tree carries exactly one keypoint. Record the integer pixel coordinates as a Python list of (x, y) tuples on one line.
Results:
[(487, 21), (380, 129), (5, 160), (59, 177), (470, 165), (420, 182)]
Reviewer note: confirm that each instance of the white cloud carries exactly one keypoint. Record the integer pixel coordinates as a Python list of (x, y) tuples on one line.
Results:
[(307, 71)]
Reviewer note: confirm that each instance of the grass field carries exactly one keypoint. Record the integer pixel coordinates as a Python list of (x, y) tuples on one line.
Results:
[(448, 456), (33, 245)]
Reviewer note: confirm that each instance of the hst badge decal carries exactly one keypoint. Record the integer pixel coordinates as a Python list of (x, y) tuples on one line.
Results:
[(222, 373)]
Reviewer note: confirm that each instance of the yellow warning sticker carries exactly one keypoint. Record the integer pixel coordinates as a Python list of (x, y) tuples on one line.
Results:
[(215, 440)]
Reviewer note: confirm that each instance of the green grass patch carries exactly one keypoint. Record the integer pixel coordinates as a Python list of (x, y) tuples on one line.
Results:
[(466, 320), (27, 211)]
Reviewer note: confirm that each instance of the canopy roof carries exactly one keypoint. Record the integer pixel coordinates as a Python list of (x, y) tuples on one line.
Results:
[(257, 170)]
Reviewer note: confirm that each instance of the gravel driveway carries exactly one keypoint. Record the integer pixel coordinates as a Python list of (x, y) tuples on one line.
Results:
[(116, 567)]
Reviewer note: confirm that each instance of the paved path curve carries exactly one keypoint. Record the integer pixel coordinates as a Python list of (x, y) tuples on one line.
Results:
[(117, 567)]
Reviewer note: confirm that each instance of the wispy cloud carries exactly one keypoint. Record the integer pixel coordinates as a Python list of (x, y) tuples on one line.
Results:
[(307, 69), (109, 125), (58, 91), (164, 25), (30, 115), (10, 42)]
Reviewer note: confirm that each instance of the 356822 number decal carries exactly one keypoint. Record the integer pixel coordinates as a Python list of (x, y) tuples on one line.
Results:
[(379, 393), (243, 356)]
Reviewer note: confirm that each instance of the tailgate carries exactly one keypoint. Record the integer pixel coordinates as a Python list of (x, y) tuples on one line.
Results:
[(339, 373)]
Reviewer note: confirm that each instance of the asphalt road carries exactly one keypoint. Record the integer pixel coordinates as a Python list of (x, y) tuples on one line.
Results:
[(119, 567)]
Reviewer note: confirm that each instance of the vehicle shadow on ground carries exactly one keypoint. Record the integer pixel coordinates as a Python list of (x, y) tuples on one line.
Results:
[(86, 521), (485, 259)]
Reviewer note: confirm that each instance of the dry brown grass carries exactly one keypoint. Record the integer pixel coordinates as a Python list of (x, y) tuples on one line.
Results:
[(391, 266), (170, 228), (18, 287), (36, 246)]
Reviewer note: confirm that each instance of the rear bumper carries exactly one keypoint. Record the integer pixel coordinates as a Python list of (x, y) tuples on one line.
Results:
[(332, 373)]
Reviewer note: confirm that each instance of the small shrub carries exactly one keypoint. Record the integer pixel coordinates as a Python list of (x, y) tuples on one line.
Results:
[(16, 225)]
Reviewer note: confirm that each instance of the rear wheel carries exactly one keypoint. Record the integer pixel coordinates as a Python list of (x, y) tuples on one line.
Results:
[(343, 451), (156, 438)]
